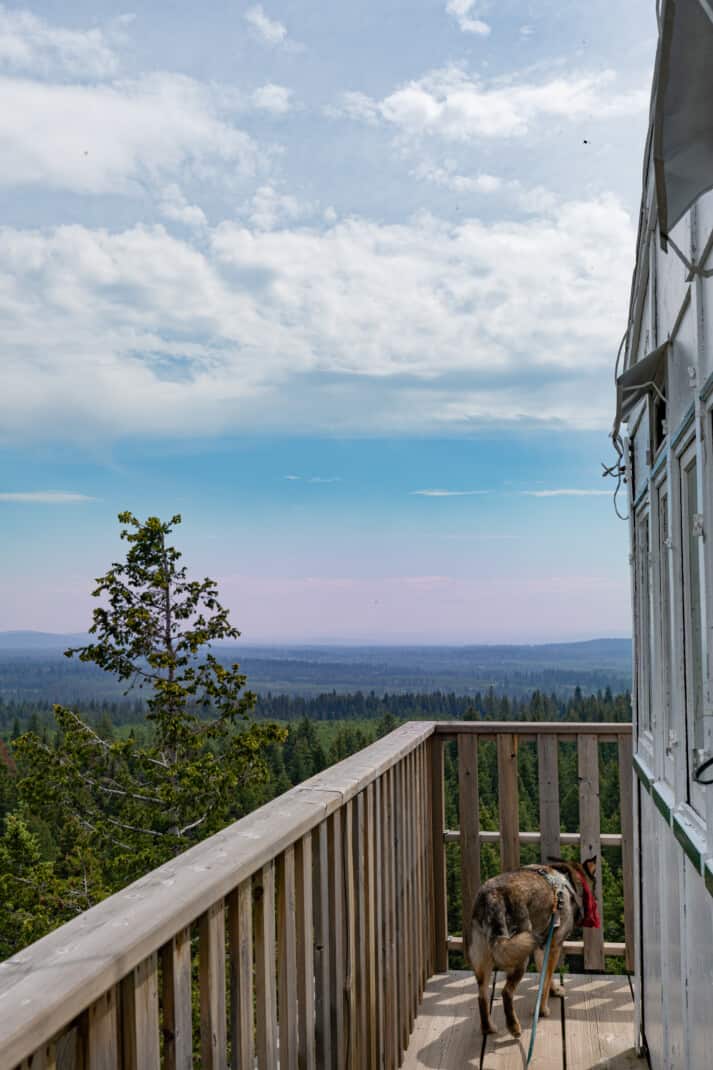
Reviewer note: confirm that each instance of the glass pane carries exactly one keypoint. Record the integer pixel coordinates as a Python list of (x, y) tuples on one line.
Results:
[(693, 586), (643, 594), (665, 596)]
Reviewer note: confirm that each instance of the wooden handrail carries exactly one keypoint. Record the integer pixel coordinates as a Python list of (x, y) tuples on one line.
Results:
[(47, 985), (326, 908)]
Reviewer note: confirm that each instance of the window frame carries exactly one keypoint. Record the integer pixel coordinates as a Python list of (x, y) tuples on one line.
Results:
[(692, 575)]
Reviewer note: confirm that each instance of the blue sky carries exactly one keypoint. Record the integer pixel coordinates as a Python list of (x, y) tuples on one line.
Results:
[(343, 284)]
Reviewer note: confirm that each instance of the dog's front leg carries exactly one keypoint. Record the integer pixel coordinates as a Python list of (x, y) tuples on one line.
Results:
[(549, 970), (556, 989), (513, 980)]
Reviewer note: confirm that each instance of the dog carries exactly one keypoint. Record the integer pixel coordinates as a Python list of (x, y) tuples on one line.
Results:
[(511, 919)]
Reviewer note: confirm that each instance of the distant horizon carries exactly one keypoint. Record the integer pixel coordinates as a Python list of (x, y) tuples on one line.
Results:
[(342, 642)]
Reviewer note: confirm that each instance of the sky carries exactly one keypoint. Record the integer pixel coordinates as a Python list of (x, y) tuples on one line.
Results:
[(343, 284)]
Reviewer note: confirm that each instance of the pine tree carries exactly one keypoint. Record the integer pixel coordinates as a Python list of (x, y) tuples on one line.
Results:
[(145, 800)]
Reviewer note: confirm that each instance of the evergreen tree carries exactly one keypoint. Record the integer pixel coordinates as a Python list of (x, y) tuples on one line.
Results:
[(143, 801)]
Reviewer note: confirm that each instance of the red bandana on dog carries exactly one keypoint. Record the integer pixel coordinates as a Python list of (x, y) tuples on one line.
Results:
[(590, 908)]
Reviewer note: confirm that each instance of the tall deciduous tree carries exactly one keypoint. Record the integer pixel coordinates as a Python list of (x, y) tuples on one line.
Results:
[(143, 802)]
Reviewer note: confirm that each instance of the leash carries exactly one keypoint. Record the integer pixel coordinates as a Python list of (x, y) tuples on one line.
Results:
[(541, 985)]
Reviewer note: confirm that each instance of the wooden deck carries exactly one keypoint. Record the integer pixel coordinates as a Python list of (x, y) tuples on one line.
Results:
[(591, 1029)]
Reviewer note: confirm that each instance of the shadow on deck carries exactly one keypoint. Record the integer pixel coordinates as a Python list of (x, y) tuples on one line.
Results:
[(591, 1029)]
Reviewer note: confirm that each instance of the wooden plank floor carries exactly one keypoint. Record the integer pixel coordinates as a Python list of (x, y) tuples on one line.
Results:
[(592, 1029)]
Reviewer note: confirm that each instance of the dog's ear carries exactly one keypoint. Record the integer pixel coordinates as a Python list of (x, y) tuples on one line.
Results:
[(590, 867), (562, 866)]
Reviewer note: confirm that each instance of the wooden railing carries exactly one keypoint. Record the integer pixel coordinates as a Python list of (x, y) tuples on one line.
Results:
[(507, 736), (304, 934), (310, 920)]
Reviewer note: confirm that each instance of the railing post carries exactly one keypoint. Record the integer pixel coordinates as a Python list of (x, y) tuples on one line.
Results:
[(626, 807), (549, 790), (589, 828), (439, 930), (469, 809), (508, 801)]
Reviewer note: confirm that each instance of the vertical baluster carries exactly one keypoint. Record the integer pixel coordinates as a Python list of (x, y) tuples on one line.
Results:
[(265, 985), (139, 1012), (362, 929), (508, 801), (379, 925), (400, 912), (411, 870), (337, 942), (240, 931), (439, 950), (211, 980), (177, 1009), (350, 1008), (426, 866), (322, 945), (45, 1058), (589, 828), (305, 954), (469, 808), (287, 959), (549, 790), (102, 1036), (392, 981), (371, 934), (626, 807)]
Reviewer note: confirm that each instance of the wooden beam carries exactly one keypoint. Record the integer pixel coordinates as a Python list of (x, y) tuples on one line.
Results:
[(287, 959), (265, 986), (549, 791), (469, 811), (211, 980), (589, 827), (177, 1002), (508, 801), (240, 929), (439, 932), (626, 808)]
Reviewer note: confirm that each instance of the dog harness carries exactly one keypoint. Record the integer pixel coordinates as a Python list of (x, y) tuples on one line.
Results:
[(559, 884)]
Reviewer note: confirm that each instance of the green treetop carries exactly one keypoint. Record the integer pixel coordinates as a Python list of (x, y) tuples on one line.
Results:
[(141, 802)]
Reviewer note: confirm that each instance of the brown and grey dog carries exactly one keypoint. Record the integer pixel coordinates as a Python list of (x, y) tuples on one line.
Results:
[(510, 921)]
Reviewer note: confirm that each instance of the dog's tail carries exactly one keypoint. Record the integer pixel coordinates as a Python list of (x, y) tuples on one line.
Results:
[(509, 952)]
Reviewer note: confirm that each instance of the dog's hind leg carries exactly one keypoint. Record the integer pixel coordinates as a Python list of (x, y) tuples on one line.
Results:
[(513, 980), (483, 974), (481, 959), (549, 970)]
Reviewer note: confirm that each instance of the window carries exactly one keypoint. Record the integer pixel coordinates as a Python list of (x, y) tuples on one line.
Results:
[(664, 594), (643, 630), (693, 631)]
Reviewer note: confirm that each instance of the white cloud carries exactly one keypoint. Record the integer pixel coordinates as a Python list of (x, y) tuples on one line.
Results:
[(457, 106), (45, 497), (269, 208), (447, 176), (317, 479), (29, 43), (116, 138), (565, 493), (272, 98), (447, 493), (270, 31), (464, 11), (173, 205), (424, 325)]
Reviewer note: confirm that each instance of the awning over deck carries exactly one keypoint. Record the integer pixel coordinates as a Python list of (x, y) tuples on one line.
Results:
[(646, 375), (683, 127)]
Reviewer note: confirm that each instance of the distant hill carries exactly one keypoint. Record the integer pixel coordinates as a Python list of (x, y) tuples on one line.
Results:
[(28, 640), (32, 667)]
